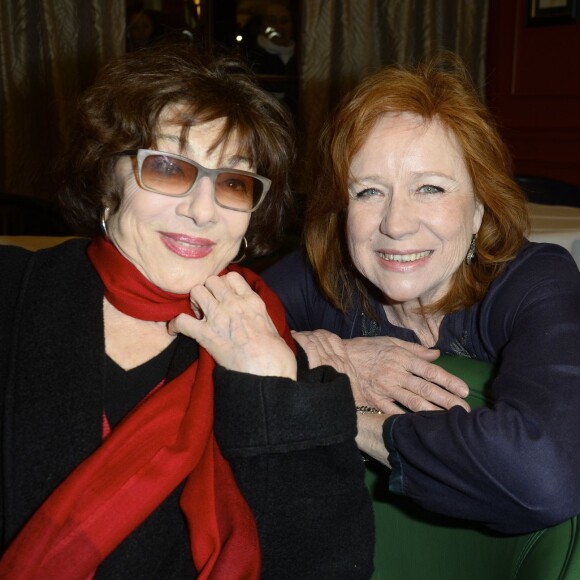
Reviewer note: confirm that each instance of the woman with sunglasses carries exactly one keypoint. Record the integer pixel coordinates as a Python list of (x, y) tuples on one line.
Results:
[(156, 422)]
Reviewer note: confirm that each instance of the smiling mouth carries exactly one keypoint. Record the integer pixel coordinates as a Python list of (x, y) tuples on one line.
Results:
[(187, 241), (405, 257), (187, 246), (190, 244)]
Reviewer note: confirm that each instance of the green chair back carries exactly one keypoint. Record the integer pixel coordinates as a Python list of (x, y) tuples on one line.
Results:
[(414, 544)]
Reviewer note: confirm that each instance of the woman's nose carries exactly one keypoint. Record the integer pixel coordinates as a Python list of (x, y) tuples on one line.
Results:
[(199, 204), (399, 218)]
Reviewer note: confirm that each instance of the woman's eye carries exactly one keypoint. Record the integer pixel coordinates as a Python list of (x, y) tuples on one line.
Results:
[(165, 166), (430, 189), (171, 169), (368, 193), (235, 184)]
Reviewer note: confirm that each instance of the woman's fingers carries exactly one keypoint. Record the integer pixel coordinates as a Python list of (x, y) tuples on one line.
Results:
[(386, 372), (414, 393), (204, 298), (434, 374), (236, 328), (394, 370), (220, 286), (323, 348), (184, 324)]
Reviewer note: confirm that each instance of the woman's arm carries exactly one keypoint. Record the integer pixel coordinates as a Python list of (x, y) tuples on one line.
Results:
[(513, 466), (291, 445), (289, 436), (385, 372), (369, 436)]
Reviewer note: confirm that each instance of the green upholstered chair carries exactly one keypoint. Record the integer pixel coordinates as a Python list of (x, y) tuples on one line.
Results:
[(413, 544)]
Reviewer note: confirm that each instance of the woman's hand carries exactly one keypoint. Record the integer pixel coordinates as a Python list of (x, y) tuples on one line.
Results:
[(235, 328), (385, 371)]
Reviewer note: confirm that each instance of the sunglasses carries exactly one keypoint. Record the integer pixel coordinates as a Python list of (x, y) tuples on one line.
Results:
[(176, 176)]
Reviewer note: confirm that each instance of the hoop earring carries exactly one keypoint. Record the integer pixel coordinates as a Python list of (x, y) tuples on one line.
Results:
[(242, 251), (471, 252), (104, 218)]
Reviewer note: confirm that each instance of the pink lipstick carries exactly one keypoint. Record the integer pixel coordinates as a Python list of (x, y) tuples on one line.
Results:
[(187, 246)]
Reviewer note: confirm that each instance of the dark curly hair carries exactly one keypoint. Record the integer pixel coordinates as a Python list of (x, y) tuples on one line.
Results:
[(121, 112)]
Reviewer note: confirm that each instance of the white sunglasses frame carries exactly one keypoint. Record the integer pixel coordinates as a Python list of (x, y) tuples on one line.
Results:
[(142, 154)]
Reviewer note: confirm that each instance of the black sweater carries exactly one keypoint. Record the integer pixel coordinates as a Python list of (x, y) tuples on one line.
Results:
[(290, 444)]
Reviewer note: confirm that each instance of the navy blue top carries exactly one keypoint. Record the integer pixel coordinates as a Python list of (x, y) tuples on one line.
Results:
[(516, 466)]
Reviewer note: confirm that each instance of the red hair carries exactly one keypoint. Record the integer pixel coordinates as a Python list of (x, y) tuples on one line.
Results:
[(440, 89)]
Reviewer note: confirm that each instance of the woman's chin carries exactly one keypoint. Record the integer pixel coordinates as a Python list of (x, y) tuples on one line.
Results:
[(182, 284)]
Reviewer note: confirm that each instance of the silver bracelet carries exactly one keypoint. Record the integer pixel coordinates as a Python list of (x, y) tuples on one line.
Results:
[(366, 410)]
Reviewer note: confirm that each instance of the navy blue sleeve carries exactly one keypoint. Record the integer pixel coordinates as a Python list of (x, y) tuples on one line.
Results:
[(293, 281), (514, 466)]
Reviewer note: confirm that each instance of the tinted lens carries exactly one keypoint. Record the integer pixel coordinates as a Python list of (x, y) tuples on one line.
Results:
[(167, 174), (237, 191)]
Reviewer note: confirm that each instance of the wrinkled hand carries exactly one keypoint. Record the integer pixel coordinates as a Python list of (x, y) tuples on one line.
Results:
[(385, 371), (325, 348), (235, 328)]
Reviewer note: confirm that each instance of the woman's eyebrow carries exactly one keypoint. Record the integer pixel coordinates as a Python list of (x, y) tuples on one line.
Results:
[(237, 160), (233, 160), (171, 138), (424, 174)]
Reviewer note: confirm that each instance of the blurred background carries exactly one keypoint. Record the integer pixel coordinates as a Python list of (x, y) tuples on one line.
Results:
[(523, 56)]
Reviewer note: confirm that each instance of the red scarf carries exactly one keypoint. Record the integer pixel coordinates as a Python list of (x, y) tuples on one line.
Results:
[(164, 440)]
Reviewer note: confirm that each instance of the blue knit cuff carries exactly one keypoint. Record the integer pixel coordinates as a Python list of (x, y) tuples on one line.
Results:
[(396, 483)]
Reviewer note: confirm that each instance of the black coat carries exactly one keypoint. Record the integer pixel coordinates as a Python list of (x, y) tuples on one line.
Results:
[(290, 444)]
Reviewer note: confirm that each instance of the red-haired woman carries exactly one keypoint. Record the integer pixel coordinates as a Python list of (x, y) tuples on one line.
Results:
[(415, 234)]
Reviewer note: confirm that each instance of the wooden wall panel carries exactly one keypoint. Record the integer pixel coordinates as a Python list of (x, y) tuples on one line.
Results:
[(534, 90)]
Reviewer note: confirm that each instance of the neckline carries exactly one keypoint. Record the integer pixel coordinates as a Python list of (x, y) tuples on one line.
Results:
[(124, 389)]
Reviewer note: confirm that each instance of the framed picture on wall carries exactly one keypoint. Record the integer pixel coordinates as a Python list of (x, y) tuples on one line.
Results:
[(552, 12)]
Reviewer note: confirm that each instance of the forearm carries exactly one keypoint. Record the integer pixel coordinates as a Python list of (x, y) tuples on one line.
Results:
[(291, 447), (513, 470), (264, 415), (370, 437)]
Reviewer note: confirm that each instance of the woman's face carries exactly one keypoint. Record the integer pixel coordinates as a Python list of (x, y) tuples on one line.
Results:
[(412, 210), (140, 29), (178, 242), (279, 18)]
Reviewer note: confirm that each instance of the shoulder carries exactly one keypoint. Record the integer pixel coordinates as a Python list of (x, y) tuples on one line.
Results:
[(13, 259), (523, 298), (46, 274), (533, 255), (293, 280), (538, 266), (13, 264), (19, 257), (68, 260), (291, 276), (292, 265), (70, 250), (51, 284)]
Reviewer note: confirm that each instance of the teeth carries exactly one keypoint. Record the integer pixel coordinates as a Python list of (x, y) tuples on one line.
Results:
[(404, 257), (181, 242)]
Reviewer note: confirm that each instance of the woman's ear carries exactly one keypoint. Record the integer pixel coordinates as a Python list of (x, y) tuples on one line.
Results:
[(477, 215)]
